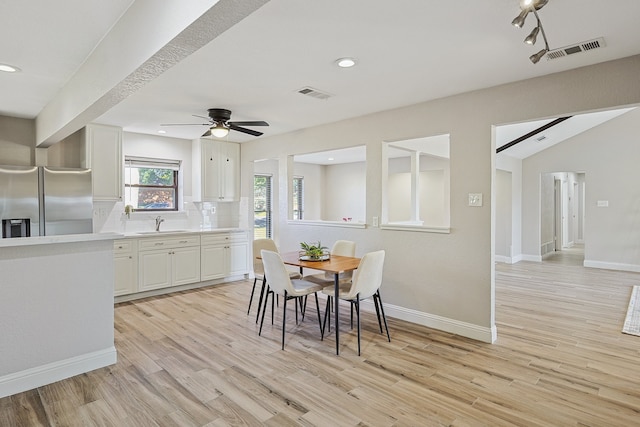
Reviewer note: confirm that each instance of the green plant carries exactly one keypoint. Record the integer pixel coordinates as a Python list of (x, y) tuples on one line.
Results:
[(313, 250)]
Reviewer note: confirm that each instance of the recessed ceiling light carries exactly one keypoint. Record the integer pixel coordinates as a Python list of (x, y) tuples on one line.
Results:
[(330, 159), (9, 68), (346, 62), (162, 131)]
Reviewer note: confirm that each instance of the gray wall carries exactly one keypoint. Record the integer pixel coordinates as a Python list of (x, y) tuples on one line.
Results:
[(446, 280), (607, 155)]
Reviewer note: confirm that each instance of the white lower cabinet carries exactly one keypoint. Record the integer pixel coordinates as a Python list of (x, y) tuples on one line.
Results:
[(149, 263), (165, 262), (224, 254), (125, 265)]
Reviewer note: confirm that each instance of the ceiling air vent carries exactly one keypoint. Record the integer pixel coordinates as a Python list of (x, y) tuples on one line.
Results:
[(314, 93), (576, 48)]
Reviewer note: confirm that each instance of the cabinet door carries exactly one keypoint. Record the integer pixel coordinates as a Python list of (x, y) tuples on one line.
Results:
[(238, 253), (229, 171), (213, 262), (103, 154), (154, 269), (125, 274), (210, 171), (186, 265)]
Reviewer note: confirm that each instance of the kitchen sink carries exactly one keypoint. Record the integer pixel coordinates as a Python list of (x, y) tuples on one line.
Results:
[(163, 232)]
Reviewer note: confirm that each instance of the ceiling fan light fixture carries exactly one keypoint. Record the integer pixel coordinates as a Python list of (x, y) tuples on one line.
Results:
[(219, 130)]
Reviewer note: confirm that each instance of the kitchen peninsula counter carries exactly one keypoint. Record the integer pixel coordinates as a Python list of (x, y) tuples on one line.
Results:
[(56, 308)]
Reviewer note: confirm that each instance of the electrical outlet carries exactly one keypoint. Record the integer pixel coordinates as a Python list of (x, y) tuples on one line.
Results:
[(375, 221)]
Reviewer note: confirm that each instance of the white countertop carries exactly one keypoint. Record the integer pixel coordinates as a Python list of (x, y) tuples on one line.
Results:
[(138, 234), (90, 237), (48, 240)]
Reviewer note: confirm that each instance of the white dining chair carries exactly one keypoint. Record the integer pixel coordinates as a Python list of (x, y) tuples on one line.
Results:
[(258, 270), (366, 283), (280, 283)]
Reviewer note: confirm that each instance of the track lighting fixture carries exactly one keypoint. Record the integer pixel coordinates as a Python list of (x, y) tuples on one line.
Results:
[(531, 38), (526, 7)]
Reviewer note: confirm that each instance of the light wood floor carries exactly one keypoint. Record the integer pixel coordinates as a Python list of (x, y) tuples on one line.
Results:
[(194, 358)]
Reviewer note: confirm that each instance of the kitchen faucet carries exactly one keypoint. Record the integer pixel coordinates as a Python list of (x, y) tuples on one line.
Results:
[(159, 220)]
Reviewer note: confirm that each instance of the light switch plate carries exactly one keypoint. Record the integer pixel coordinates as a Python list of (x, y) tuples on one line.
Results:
[(475, 199)]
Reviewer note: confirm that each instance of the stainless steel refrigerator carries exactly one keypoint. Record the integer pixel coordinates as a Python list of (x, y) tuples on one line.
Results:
[(45, 201)]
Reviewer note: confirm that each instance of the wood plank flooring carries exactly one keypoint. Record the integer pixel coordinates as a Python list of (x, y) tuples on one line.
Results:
[(194, 358)]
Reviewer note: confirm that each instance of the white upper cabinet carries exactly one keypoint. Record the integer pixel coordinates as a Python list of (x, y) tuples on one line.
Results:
[(216, 171), (103, 154)]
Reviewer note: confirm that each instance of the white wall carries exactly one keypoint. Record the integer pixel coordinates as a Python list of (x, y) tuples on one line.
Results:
[(313, 187), (345, 192), (608, 156), (504, 215), (446, 280)]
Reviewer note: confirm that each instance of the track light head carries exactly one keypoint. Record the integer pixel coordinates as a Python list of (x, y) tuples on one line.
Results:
[(518, 21), (532, 4), (538, 56), (531, 38)]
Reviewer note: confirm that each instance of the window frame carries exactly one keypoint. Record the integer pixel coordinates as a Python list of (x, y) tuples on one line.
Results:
[(153, 163), (297, 198), (268, 204)]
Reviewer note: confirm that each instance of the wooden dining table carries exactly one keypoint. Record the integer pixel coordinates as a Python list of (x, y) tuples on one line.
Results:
[(336, 265)]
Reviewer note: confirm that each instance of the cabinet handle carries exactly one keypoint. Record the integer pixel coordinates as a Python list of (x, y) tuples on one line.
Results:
[(159, 244), (119, 247), (184, 241)]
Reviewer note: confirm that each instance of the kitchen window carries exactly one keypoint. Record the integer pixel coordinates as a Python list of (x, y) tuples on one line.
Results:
[(151, 184)]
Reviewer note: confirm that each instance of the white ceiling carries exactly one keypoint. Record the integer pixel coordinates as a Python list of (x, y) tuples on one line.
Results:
[(408, 51)]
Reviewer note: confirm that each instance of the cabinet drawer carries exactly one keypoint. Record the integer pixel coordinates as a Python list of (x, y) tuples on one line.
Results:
[(223, 238), (122, 247), (176, 242)]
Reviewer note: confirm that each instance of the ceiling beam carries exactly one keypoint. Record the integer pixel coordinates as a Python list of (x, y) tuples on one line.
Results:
[(149, 38), (532, 133)]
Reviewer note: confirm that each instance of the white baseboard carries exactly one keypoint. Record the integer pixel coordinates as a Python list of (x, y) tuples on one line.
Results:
[(468, 330), (504, 259), (612, 266), (46, 374)]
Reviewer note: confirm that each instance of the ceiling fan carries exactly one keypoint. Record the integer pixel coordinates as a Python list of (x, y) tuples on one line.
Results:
[(220, 124)]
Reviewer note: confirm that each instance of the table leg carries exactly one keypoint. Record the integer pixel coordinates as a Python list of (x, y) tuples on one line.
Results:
[(336, 300)]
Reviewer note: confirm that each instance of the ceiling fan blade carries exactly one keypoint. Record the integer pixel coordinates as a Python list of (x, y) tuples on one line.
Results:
[(244, 130), (185, 124), (201, 117), (257, 123), (207, 133)]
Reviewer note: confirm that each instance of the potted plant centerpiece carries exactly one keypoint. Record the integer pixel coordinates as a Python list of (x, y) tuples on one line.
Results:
[(314, 252)]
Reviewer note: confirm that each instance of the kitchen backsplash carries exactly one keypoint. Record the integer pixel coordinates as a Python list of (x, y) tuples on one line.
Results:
[(111, 217)]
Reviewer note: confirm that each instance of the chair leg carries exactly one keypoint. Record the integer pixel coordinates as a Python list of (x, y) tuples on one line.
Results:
[(351, 316), (383, 316), (264, 285), (319, 322), (284, 317), (375, 303), (358, 314), (273, 297), (253, 289), (264, 310), (327, 316)]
